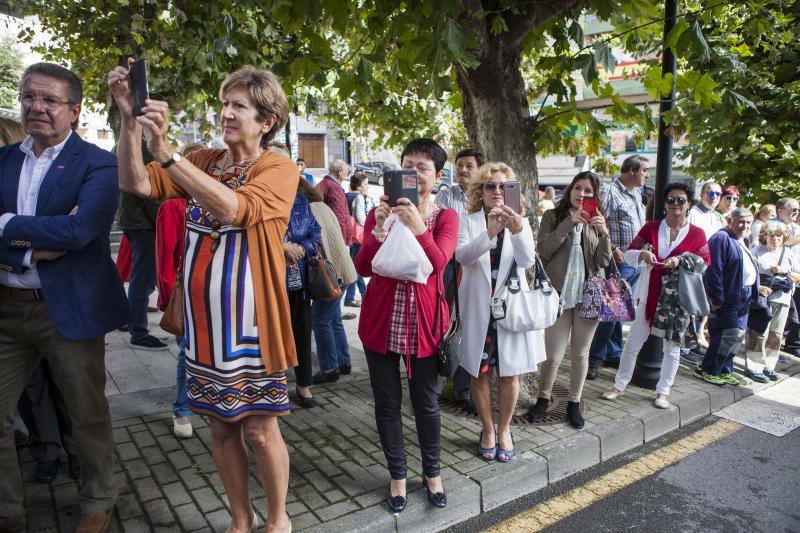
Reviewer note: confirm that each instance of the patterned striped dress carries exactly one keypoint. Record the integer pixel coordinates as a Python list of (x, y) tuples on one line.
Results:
[(226, 377)]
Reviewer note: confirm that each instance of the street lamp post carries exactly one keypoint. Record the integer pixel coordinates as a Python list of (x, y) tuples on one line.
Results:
[(648, 363)]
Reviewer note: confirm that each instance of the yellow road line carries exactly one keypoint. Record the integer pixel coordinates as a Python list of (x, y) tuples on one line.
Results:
[(555, 509)]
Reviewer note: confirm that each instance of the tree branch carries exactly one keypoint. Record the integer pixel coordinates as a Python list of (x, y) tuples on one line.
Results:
[(533, 15)]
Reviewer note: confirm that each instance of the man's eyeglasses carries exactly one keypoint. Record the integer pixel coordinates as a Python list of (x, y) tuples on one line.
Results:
[(493, 186), (28, 99), (795, 211), (680, 200), (732, 198), (713, 194)]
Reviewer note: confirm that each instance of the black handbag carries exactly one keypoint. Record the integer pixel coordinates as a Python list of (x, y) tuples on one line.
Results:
[(449, 359), (322, 283)]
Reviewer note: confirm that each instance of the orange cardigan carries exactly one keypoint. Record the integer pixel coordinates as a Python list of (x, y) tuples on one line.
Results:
[(265, 203)]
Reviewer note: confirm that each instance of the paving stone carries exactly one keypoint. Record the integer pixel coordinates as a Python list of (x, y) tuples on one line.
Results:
[(152, 455), (336, 510), (658, 422), (570, 455), (127, 451), (219, 520), (164, 473), (137, 469), (176, 494), (128, 507), (41, 516), (136, 525), (463, 502), (692, 405), (207, 500), (296, 508), (189, 517), (179, 459), (306, 520), (147, 489), (503, 482), (618, 436), (740, 393), (143, 438), (192, 479), (158, 513), (121, 435)]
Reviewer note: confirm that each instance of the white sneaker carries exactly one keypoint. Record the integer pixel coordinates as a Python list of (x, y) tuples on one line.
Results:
[(182, 427), (613, 394), (662, 402)]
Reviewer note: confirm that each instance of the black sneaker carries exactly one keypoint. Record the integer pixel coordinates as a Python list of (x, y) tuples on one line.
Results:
[(326, 377), (148, 343), (345, 369), (591, 373)]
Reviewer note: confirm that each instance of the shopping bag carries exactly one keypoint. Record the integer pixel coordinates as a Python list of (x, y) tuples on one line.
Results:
[(401, 256)]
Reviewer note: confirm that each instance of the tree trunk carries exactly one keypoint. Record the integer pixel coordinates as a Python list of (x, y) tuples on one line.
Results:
[(497, 116)]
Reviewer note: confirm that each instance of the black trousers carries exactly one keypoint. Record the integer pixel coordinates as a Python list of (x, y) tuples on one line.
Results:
[(387, 391), (300, 309)]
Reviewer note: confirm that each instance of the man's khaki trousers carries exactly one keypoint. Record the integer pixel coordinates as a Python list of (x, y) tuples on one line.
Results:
[(27, 334)]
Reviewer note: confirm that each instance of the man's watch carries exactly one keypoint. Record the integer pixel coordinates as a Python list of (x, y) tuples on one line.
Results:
[(175, 158)]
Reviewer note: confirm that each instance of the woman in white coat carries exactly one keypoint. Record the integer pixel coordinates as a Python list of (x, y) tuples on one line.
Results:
[(490, 237)]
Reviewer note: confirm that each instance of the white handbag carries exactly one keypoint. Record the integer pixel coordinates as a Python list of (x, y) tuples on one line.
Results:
[(518, 310)]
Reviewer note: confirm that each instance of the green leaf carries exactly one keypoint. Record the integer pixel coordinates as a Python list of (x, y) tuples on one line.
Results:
[(604, 56), (498, 25), (700, 44), (675, 34), (576, 32)]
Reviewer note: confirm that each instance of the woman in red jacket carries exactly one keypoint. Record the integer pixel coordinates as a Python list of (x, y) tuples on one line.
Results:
[(397, 322)]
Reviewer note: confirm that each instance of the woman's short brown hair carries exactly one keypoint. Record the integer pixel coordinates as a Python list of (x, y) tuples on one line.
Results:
[(266, 93), (772, 226), (475, 189)]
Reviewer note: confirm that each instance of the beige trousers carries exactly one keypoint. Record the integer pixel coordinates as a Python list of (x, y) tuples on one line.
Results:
[(27, 335), (763, 350), (555, 342)]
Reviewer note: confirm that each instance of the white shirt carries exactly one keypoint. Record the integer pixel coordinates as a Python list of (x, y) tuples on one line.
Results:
[(664, 249), (749, 271), (34, 169), (768, 259), (707, 220)]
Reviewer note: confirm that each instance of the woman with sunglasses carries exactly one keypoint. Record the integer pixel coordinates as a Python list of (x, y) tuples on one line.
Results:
[(704, 214), (572, 251), (658, 246), (491, 238), (780, 264), (728, 201)]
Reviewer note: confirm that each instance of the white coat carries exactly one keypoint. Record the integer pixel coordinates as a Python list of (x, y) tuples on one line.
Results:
[(518, 352)]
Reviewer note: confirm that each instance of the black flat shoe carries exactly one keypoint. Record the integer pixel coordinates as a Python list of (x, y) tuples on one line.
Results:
[(74, 467), (574, 415), (397, 504), (536, 412), (592, 372), (437, 499), (45, 471), (307, 402), (326, 377), (345, 369)]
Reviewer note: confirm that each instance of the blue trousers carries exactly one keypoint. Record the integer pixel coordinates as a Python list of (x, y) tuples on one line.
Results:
[(350, 294), (726, 328), (607, 340), (143, 278), (326, 323), (180, 407)]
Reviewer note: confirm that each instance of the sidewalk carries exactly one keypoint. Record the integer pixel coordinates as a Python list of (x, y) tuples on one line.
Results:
[(338, 478)]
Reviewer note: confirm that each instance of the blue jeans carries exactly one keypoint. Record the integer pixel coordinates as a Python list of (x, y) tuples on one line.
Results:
[(726, 329), (181, 405), (143, 278), (607, 341), (350, 294), (326, 322)]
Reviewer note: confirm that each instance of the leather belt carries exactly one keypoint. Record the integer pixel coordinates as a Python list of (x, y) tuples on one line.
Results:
[(25, 295)]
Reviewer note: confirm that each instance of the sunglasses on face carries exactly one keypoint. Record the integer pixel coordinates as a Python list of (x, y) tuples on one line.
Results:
[(492, 186), (680, 200), (795, 211), (713, 194), (732, 198)]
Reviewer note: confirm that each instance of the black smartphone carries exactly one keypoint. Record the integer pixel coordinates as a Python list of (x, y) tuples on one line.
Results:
[(139, 90), (511, 195), (400, 184)]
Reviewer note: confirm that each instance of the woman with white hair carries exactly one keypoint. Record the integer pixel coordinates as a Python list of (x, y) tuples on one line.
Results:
[(780, 271)]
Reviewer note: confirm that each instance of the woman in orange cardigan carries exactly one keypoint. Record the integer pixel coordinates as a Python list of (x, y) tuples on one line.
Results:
[(237, 344)]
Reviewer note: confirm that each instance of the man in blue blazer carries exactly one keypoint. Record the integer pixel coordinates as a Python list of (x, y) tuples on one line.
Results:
[(732, 283), (59, 291)]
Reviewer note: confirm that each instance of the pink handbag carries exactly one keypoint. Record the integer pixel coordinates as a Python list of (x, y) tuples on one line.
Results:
[(607, 300)]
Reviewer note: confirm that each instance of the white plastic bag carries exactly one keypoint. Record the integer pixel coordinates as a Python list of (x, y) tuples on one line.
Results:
[(401, 256)]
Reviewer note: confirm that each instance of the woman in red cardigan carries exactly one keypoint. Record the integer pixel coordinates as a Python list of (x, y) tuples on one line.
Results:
[(397, 322)]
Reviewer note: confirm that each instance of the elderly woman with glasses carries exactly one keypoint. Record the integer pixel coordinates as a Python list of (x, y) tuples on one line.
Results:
[(658, 246), (493, 239), (238, 342), (780, 271)]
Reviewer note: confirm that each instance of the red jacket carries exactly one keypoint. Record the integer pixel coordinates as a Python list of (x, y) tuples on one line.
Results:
[(169, 246), (376, 308), (334, 197)]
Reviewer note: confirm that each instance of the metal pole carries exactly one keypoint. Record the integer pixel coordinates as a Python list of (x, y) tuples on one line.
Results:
[(648, 367)]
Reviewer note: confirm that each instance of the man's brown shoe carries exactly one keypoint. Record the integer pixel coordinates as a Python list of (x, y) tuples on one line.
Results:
[(12, 525), (95, 522)]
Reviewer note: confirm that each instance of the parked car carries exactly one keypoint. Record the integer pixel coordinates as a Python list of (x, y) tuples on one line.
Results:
[(374, 170), (446, 180)]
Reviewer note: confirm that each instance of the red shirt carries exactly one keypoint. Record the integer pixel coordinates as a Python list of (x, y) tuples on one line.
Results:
[(169, 246), (334, 197), (376, 308)]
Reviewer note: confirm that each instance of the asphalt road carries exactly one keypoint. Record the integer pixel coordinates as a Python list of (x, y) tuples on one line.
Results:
[(747, 481)]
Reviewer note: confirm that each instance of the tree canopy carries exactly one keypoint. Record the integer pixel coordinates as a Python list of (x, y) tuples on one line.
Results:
[(501, 75), (10, 71)]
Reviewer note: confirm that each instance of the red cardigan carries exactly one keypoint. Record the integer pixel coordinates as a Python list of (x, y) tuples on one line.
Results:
[(169, 246), (334, 197), (376, 307)]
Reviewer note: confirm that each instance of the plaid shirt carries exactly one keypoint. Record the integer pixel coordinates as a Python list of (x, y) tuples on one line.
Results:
[(403, 322), (624, 212)]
